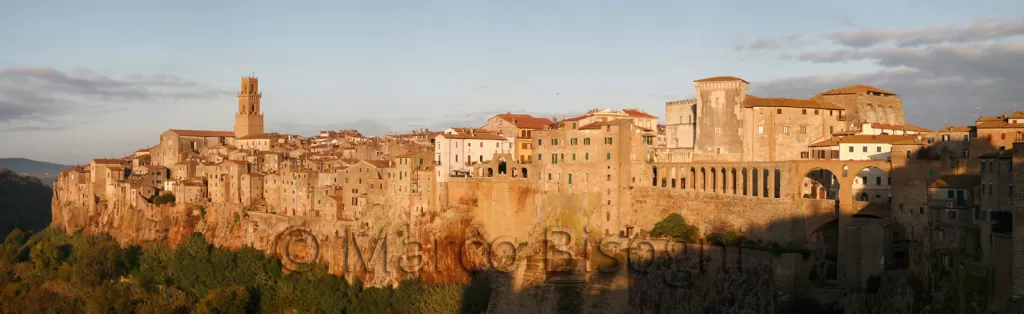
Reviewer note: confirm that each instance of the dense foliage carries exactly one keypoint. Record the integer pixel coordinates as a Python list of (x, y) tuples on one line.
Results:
[(53, 272), (164, 198), (26, 202), (676, 227)]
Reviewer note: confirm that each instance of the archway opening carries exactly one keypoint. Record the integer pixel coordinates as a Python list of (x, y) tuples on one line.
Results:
[(502, 167), (524, 172), (654, 176), (490, 172), (820, 184)]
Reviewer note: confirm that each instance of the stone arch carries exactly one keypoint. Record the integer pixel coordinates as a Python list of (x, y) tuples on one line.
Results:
[(873, 182), (753, 182), (725, 180), (765, 187), (672, 175), (869, 113), (733, 170), (703, 179), (524, 172), (490, 172), (820, 183), (777, 176), (654, 176), (890, 115), (745, 185), (693, 178), (502, 167), (714, 180)]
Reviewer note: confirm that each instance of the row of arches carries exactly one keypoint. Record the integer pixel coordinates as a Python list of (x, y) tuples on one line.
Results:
[(758, 182), (880, 113), (503, 169)]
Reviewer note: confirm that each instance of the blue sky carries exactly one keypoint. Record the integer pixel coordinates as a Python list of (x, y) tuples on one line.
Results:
[(385, 66)]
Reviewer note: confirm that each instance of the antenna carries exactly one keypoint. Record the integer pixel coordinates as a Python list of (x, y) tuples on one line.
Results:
[(977, 113)]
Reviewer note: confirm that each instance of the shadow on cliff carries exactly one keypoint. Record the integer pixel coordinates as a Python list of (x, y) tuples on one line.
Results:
[(24, 203)]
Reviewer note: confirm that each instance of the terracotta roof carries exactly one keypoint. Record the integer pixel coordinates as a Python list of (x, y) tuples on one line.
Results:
[(637, 113), (592, 126), (379, 163), (847, 132), (886, 139), (474, 136), (255, 174), (826, 143), (1000, 125), (525, 121), (956, 181), (255, 136), (1017, 115), (907, 127), (104, 161), (721, 79), (988, 118), (202, 133), (754, 101), (856, 89), (956, 128)]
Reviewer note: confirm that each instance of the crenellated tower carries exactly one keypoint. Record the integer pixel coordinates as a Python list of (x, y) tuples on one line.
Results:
[(249, 119)]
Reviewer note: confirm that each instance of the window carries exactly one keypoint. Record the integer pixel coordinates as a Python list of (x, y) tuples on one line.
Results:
[(586, 156), (803, 129), (554, 158), (878, 149), (942, 236), (815, 111), (760, 110), (540, 141), (539, 157), (878, 180), (865, 149), (804, 111), (864, 180), (573, 156), (554, 141), (718, 150), (778, 111), (830, 130), (718, 131), (760, 129), (586, 141), (1002, 136), (608, 156), (549, 176), (851, 149), (785, 129), (570, 178)]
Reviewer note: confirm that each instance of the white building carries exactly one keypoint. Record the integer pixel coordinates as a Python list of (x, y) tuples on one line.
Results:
[(872, 184), (889, 129), (458, 149)]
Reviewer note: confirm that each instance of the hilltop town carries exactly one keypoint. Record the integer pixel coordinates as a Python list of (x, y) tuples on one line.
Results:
[(879, 202)]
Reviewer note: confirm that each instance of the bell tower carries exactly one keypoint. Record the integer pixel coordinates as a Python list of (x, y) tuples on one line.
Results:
[(249, 119)]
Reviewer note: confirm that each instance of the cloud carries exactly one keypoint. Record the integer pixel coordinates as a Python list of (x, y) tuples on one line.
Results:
[(975, 31), (38, 98), (943, 74), (791, 41)]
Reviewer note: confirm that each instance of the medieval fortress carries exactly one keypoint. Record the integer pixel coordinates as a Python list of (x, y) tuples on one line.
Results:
[(840, 173)]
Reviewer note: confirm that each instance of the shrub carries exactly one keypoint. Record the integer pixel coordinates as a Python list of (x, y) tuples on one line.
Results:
[(675, 226)]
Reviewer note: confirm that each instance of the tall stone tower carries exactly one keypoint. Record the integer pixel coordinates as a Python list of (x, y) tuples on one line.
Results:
[(720, 119), (249, 119)]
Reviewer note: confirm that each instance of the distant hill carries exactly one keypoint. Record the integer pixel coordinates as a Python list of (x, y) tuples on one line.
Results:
[(31, 167), (24, 203)]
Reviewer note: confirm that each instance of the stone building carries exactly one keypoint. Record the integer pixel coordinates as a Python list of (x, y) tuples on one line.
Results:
[(734, 126), (594, 162), (680, 129), (866, 104), (520, 127), (457, 149)]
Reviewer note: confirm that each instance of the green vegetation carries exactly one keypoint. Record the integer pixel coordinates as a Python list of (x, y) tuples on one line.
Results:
[(675, 226), (54, 272), (26, 202), (164, 198)]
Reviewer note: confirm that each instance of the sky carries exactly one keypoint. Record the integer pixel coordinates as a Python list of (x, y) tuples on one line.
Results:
[(87, 79)]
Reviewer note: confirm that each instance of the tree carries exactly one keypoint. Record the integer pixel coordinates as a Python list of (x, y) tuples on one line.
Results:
[(675, 226), (234, 299), (164, 198), (47, 256)]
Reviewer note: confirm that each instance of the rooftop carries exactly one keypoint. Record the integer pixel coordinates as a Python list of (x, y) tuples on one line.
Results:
[(754, 101), (857, 89), (960, 181), (721, 79)]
